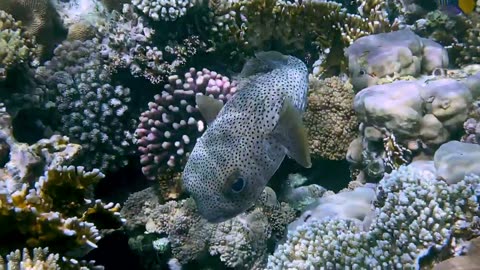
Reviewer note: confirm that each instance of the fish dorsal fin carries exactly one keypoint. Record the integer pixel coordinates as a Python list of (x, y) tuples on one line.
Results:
[(291, 133), (263, 62), (208, 107)]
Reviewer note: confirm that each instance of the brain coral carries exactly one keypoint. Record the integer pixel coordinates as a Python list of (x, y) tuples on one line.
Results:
[(415, 212), (330, 118), (93, 111), (169, 128)]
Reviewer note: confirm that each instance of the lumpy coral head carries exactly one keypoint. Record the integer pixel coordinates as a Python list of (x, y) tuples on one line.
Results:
[(244, 146)]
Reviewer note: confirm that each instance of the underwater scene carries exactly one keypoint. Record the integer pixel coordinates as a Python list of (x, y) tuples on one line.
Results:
[(239, 134)]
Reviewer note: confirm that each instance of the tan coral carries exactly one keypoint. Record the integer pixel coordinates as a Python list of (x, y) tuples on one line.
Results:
[(330, 119), (80, 31)]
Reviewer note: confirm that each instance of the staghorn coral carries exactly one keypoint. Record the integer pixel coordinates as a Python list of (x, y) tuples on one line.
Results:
[(330, 119), (416, 212), (16, 46), (93, 111), (40, 20), (41, 258), (169, 128)]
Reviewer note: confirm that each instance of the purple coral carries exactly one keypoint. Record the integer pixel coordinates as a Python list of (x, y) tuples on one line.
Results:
[(169, 128)]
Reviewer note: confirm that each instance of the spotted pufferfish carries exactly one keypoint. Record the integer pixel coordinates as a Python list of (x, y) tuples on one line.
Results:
[(247, 139)]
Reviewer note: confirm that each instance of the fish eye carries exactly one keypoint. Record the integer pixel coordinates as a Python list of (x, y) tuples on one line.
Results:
[(238, 185), (362, 72)]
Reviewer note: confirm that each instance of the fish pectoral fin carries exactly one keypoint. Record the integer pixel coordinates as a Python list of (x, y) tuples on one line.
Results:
[(292, 134), (208, 107)]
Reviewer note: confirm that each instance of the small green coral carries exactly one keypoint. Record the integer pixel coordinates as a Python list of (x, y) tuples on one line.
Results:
[(16, 46)]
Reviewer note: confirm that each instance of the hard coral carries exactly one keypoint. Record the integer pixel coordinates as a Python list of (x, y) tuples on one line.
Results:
[(41, 258), (269, 24), (239, 243), (164, 10), (416, 212), (330, 118), (16, 46), (397, 53), (168, 130), (51, 213), (128, 43), (40, 19), (94, 112)]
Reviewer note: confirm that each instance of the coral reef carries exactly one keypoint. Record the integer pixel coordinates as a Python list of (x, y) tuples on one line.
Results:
[(454, 159), (40, 19), (41, 258), (169, 128), (397, 53), (405, 119), (16, 46), (164, 10), (415, 212), (93, 111), (240, 242), (247, 26), (127, 41), (44, 203), (330, 119)]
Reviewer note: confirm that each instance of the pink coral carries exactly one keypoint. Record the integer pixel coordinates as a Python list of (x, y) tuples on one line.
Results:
[(169, 128)]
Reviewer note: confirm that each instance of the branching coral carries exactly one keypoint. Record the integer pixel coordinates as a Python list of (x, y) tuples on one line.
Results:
[(168, 130), (55, 212), (417, 212), (330, 118), (41, 258), (164, 10), (43, 203), (16, 46), (128, 43), (94, 112), (269, 24), (40, 19)]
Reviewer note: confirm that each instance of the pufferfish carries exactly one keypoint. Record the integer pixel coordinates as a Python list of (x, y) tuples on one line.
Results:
[(247, 139)]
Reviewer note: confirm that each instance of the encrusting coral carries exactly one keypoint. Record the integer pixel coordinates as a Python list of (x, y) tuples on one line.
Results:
[(169, 128), (240, 242), (330, 119), (416, 212)]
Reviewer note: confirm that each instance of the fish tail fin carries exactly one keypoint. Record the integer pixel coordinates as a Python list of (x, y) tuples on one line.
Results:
[(264, 62)]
